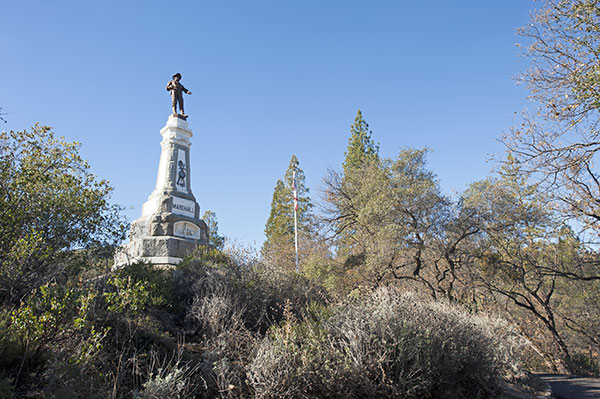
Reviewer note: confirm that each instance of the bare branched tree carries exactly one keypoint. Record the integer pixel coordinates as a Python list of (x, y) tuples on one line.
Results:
[(560, 143)]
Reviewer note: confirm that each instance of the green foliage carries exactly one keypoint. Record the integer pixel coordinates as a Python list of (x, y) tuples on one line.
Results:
[(49, 204), (525, 252), (361, 147), (214, 239), (126, 295), (64, 332), (10, 349), (146, 284), (280, 223), (279, 229), (580, 364), (279, 219), (50, 318), (388, 215), (205, 256), (6, 388), (332, 275)]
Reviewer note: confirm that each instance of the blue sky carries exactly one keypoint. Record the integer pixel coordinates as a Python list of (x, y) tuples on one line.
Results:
[(269, 79)]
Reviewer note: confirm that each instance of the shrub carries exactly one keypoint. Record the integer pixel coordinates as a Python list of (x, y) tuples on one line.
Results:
[(230, 305), (169, 378), (158, 282), (581, 364), (6, 387), (387, 346), (221, 294), (50, 205)]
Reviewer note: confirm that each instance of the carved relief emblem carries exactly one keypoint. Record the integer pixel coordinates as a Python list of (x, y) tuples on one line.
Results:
[(181, 174)]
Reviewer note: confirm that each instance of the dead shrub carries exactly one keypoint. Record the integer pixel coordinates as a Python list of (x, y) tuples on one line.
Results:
[(387, 346)]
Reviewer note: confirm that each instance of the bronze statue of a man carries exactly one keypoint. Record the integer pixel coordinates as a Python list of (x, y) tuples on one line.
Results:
[(177, 90)]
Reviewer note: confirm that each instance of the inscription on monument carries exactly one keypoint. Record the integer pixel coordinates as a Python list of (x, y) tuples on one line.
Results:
[(186, 230), (183, 207)]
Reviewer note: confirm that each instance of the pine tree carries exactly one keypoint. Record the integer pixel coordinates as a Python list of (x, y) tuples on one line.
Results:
[(360, 145), (279, 229), (361, 152), (214, 238)]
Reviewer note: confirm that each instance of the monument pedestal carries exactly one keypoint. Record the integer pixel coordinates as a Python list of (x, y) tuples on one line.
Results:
[(170, 226)]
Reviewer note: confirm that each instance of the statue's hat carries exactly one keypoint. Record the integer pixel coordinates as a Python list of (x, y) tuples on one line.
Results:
[(177, 75)]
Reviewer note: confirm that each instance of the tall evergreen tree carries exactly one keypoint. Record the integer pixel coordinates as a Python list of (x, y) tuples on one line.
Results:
[(362, 152), (214, 238), (361, 146), (279, 229)]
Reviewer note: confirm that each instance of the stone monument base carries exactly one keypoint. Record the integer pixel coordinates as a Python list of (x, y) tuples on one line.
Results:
[(162, 239), (161, 251)]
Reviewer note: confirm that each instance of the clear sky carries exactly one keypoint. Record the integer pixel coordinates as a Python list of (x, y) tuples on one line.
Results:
[(269, 79)]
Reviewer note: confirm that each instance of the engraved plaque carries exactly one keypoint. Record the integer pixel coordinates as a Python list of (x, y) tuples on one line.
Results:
[(186, 230), (182, 206)]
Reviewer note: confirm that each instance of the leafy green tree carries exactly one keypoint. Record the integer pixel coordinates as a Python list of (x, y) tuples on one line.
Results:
[(395, 225), (50, 205), (214, 238), (361, 146), (278, 247), (523, 253)]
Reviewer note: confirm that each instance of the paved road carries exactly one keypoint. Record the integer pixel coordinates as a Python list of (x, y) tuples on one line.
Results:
[(567, 387)]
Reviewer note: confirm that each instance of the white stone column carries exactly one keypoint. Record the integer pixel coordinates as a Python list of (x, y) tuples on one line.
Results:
[(174, 166)]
